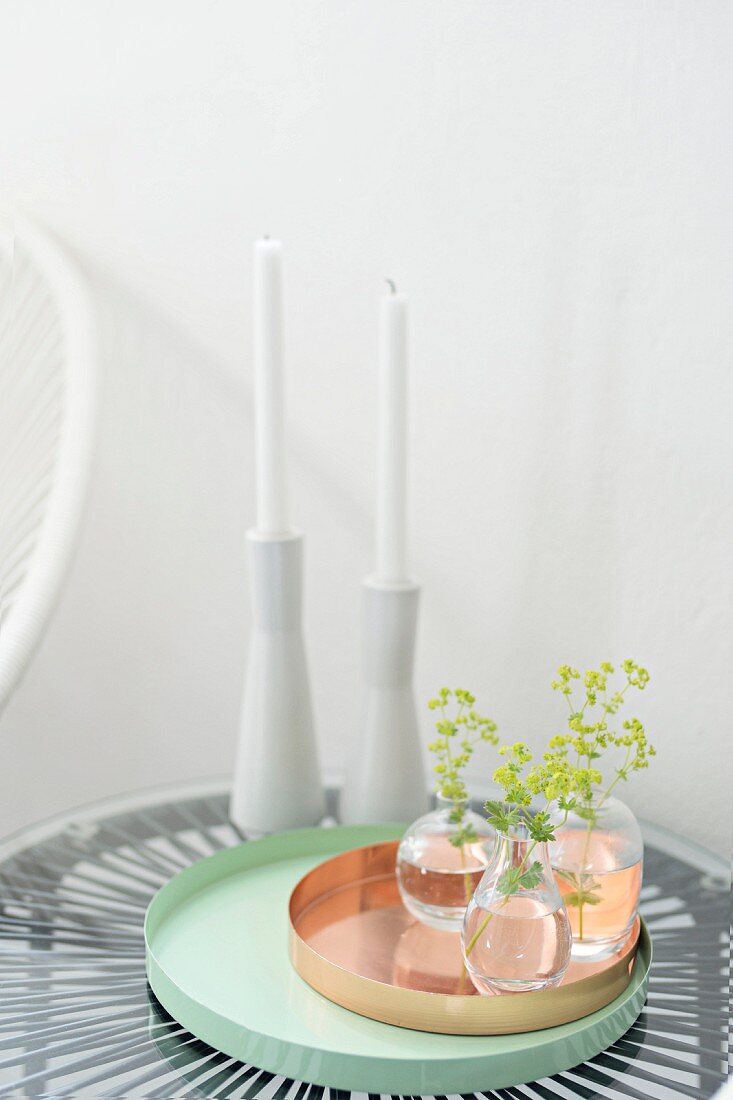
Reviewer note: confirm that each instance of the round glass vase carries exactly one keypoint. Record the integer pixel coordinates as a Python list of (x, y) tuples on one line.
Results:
[(436, 878), (597, 858), (516, 941)]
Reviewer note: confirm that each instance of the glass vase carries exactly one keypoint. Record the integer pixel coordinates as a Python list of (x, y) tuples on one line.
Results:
[(518, 941), (437, 879), (597, 858)]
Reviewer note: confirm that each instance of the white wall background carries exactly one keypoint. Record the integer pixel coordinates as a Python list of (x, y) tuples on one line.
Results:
[(550, 183)]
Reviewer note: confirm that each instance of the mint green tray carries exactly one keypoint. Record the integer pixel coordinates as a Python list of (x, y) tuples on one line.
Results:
[(216, 941)]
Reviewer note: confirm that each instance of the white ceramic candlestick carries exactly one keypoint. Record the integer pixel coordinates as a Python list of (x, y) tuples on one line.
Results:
[(385, 779), (277, 781), (269, 388), (391, 526)]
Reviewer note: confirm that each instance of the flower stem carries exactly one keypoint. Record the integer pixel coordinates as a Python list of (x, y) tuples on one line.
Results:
[(620, 774), (581, 879), (467, 883), (482, 927), (479, 931)]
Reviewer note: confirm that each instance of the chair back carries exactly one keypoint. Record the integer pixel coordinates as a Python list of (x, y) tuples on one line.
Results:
[(46, 429)]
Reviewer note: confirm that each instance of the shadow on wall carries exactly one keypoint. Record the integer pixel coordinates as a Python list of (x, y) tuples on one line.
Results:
[(568, 517), (138, 679)]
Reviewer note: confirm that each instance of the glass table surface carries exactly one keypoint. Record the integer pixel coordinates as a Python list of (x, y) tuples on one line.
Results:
[(77, 1017)]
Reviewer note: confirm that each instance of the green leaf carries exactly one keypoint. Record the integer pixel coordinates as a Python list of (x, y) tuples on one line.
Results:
[(502, 817), (507, 883), (494, 808), (582, 898), (513, 879), (531, 877), (587, 813), (540, 828), (465, 835), (587, 889)]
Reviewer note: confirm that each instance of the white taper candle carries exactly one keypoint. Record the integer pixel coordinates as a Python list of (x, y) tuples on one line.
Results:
[(269, 388), (391, 528)]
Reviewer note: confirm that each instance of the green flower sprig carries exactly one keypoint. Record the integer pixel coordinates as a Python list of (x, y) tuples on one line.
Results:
[(557, 781), (453, 748), (592, 732), (589, 732)]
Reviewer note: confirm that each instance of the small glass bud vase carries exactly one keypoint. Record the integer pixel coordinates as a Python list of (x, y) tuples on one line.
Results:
[(597, 858), (516, 933), (436, 878)]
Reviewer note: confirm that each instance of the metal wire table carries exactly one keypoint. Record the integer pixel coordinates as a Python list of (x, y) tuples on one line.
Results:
[(77, 1017)]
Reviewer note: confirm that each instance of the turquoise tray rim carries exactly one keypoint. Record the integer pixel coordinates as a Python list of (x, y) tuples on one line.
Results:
[(498, 1061)]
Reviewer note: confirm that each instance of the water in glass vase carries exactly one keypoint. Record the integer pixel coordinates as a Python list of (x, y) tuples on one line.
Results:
[(523, 946), (597, 860), (439, 896), (601, 905), (437, 879), (516, 934)]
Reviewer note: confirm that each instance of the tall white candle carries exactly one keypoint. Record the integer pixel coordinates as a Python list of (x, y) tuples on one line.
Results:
[(269, 388), (392, 447)]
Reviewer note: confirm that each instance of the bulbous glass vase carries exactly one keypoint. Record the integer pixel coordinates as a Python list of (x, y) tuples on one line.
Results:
[(437, 879), (516, 941), (597, 858)]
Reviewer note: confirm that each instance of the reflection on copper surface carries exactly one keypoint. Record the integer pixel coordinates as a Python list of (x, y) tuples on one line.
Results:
[(353, 940), (428, 959)]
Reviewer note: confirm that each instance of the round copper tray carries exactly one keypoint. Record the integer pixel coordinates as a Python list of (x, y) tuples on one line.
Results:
[(352, 940)]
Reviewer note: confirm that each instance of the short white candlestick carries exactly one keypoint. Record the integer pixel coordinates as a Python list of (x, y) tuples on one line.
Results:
[(385, 779)]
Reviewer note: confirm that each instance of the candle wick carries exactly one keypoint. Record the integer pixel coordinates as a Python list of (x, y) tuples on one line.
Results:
[(391, 284)]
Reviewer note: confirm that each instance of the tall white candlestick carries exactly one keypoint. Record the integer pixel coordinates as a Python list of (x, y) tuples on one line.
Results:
[(269, 388), (392, 447)]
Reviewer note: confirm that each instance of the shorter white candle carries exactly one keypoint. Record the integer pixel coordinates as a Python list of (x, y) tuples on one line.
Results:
[(391, 533), (269, 388)]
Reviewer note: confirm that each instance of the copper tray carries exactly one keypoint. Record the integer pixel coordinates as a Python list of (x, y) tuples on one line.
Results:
[(352, 940)]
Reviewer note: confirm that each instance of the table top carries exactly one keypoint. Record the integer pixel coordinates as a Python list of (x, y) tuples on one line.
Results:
[(78, 1018)]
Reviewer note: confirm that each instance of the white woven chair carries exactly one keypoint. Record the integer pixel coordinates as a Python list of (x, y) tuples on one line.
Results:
[(46, 419)]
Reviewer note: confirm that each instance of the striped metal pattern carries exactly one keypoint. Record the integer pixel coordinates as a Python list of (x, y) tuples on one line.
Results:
[(77, 1017), (46, 413)]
